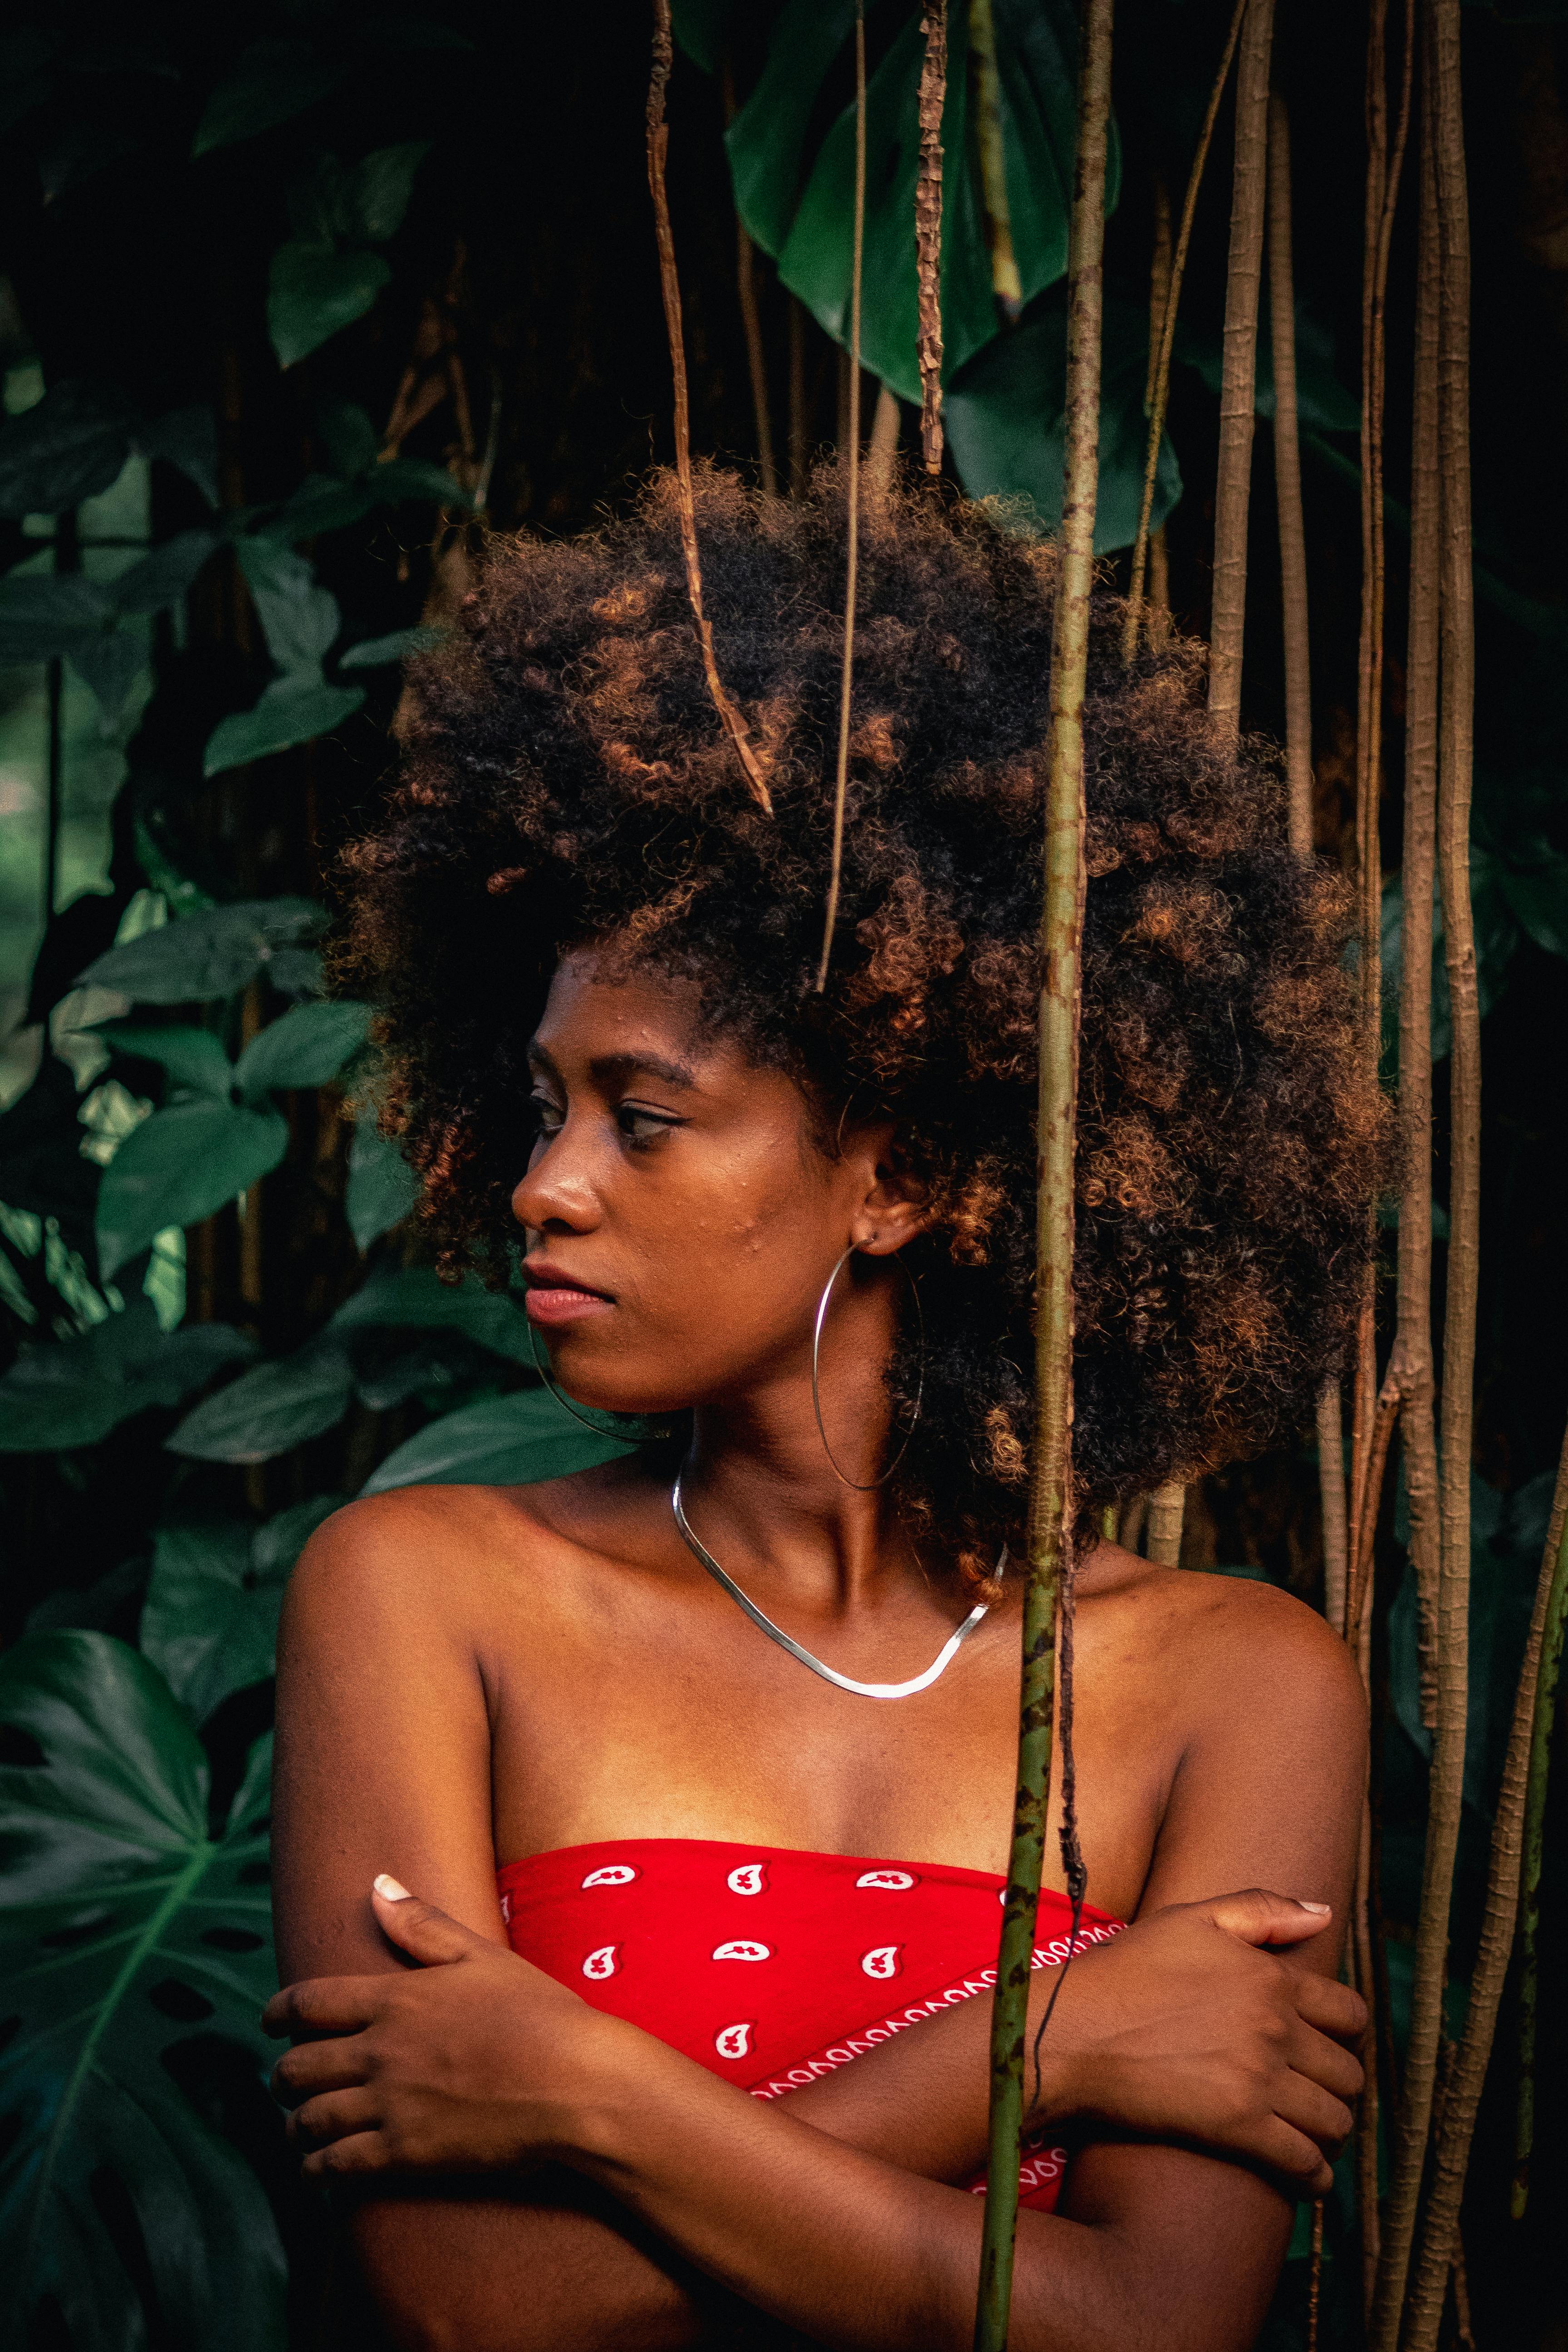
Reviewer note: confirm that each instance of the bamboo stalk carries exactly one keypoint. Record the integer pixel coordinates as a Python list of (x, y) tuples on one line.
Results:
[(1454, 782), (852, 543), (751, 320), (1133, 622), (1545, 1717), (881, 450), (798, 435), (1159, 304), (669, 284), (1288, 485), (1331, 1492), (928, 228), (1051, 1501), (1237, 396), (1500, 1920), (1167, 1508)]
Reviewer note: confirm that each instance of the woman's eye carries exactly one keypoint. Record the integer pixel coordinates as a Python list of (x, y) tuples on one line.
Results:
[(549, 1117), (639, 1126)]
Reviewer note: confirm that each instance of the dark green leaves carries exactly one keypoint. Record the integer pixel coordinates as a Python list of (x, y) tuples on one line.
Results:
[(205, 955), (499, 1442), (373, 651), (799, 207), (270, 1409), (68, 1392), (382, 1187), (124, 1928), (210, 1620), (306, 1046), (415, 1299), (291, 711), (325, 279), (67, 448), (273, 82), (178, 1167)]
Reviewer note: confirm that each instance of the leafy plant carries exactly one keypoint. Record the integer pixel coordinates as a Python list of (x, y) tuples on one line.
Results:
[(125, 1930)]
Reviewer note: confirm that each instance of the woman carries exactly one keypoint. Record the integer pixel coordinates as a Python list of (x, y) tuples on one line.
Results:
[(707, 2057)]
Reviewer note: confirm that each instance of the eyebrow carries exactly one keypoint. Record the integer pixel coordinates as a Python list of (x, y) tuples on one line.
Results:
[(610, 1069)]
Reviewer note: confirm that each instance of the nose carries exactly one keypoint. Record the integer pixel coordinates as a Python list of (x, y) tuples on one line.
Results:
[(555, 1195)]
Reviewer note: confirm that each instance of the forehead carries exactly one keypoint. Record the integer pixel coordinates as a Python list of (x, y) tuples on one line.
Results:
[(593, 1012)]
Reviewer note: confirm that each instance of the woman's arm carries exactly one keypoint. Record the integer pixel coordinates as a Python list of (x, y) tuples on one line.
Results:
[(435, 2291)]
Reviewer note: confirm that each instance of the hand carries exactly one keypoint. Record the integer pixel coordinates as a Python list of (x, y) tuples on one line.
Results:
[(1183, 2028), (476, 2062)]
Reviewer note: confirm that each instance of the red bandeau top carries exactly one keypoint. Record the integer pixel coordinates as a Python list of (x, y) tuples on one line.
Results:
[(769, 1966)]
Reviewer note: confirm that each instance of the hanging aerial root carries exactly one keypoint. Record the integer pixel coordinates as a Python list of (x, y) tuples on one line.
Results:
[(1162, 392), (852, 544), (658, 144), (928, 228)]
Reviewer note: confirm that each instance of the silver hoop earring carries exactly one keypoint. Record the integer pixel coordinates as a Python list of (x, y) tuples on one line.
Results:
[(638, 1436), (869, 1484)]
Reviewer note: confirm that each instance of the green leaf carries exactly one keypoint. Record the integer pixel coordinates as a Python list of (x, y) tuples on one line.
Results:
[(292, 710), (124, 1930), (415, 1299), (110, 663), (44, 614), (500, 1441), (313, 292), (208, 954), (165, 575), (186, 438), (1322, 403), (298, 618), (322, 503), (273, 82), (179, 1166), (61, 1394), (351, 440), (306, 1046), (67, 447), (1005, 416), (1537, 896), (382, 1187), (192, 1057), (702, 30), (270, 1409), (800, 207), (372, 651), (417, 478), (379, 189), (209, 1623)]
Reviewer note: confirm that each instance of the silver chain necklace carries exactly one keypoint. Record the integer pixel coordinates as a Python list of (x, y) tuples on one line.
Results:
[(939, 1665)]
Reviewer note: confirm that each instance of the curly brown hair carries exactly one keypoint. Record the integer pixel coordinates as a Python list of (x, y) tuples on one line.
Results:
[(567, 781)]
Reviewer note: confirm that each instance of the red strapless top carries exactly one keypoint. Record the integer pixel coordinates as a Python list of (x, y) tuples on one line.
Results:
[(771, 1967)]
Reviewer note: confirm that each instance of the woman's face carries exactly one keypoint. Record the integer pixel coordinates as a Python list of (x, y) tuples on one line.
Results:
[(682, 1222)]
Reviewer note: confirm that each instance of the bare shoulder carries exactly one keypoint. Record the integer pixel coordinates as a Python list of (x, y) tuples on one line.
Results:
[(1232, 1646), (444, 1554)]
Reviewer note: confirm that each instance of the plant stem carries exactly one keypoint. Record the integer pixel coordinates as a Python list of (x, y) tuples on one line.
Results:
[(746, 285), (1288, 485), (1439, 2238), (798, 425), (928, 228), (658, 144), (881, 450), (1237, 396), (852, 540), (1454, 784), (1162, 374), (1167, 1508), (1159, 304), (1061, 924), (1331, 1492), (1544, 1718)]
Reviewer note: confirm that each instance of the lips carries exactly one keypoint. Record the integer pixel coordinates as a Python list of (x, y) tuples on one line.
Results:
[(555, 1297)]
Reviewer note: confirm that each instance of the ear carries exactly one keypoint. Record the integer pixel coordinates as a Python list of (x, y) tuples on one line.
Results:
[(896, 1207)]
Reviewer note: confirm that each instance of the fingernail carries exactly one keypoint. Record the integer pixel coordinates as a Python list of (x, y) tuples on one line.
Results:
[(1326, 1908), (392, 1891)]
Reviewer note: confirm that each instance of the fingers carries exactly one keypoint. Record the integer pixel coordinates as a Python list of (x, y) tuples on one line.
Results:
[(338, 2116), (364, 2151), (1326, 2061), (325, 2005), (1257, 1916), (313, 2066), (1298, 2161), (1331, 2008), (419, 1929), (1310, 2109)]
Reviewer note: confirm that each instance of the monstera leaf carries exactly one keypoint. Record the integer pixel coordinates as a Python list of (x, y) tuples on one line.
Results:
[(1008, 172), (125, 1931)]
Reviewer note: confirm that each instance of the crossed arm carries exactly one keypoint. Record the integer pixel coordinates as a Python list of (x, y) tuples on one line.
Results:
[(673, 2208)]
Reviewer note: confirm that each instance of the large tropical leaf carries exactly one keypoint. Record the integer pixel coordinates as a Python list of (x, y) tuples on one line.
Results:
[(66, 1392), (205, 955), (179, 1166), (382, 1187), (210, 1618), (1005, 422), (271, 1408), (305, 1047), (499, 1442), (124, 1931), (415, 1299), (799, 205)]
